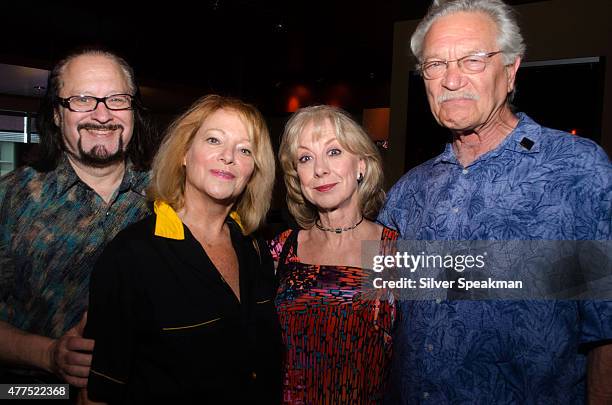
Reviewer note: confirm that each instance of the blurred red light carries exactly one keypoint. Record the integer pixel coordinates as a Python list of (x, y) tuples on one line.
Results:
[(293, 104)]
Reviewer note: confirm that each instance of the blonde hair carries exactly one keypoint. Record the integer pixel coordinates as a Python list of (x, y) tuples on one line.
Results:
[(351, 137), (168, 172)]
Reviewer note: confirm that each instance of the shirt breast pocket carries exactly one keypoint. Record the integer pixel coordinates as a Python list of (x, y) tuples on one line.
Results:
[(194, 346), (178, 330)]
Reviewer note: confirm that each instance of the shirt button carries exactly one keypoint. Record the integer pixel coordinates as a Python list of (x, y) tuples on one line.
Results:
[(464, 171), (455, 210), (107, 213), (429, 347), (426, 395), (438, 300), (254, 375)]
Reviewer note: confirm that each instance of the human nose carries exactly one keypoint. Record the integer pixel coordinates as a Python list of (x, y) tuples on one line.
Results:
[(453, 78), (227, 155), (321, 167), (101, 113)]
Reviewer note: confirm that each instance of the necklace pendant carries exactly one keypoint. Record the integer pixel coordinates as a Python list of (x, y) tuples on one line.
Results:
[(338, 230)]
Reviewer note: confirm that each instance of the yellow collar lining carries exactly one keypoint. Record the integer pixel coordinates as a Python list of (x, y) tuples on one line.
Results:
[(169, 225)]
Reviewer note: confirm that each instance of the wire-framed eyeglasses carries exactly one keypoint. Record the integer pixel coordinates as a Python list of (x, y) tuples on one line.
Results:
[(474, 63)]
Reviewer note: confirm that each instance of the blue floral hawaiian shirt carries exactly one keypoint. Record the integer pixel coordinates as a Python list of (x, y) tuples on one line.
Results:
[(538, 184)]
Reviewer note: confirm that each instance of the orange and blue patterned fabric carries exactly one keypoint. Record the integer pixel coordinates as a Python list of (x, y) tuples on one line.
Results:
[(52, 229), (338, 342)]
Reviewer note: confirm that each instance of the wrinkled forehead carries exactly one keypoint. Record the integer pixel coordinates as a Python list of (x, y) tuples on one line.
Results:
[(461, 33)]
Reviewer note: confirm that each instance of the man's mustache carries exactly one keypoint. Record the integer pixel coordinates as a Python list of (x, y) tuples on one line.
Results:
[(453, 96), (99, 127)]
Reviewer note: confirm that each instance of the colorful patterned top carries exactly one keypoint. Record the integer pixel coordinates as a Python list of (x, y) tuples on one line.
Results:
[(52, 229), (338, 343)]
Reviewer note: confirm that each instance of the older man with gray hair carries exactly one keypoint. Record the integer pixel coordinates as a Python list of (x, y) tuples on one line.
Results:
[(503, 177)]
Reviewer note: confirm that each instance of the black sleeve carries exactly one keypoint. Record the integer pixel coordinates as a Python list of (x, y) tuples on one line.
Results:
[(266, 262), (269, 344), (111, 322)]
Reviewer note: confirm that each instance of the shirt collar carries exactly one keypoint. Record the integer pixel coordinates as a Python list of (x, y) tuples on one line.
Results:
[(134, 180), (67, 178), (169, 225), (525, 138)]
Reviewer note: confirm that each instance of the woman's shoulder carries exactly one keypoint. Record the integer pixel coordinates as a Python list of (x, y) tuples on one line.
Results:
[(139, 230), (277, 243), (389, 234), (130, 242), (122, 258)]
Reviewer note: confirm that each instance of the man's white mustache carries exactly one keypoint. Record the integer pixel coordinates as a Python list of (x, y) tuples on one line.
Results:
[(454, 96)]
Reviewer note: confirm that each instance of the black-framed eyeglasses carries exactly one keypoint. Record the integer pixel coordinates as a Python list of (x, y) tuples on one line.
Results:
[(474, 63), (81, 103)]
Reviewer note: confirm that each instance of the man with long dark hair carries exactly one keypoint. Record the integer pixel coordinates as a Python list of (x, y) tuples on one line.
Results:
[(86, 184)]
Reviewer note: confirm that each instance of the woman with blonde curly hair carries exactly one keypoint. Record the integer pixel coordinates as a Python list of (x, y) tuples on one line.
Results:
[(181, 303), (337, 339)]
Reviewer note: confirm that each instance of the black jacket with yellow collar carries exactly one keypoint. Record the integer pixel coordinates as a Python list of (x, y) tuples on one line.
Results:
[(168, 328)]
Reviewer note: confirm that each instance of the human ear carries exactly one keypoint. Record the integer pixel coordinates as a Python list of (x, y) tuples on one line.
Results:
[(56, 117), (511, 73)]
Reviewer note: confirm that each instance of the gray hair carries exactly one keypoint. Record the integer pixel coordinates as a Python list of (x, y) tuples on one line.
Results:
[(509, 39), (126, 69)]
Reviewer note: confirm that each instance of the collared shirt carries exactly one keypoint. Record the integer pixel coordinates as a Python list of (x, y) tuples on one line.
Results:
[(538, 184), (169, 329), (52, 228)]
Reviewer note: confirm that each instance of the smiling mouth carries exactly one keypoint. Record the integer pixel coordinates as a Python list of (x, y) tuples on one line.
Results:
[(325, 187), (222, 174), (99, 130)]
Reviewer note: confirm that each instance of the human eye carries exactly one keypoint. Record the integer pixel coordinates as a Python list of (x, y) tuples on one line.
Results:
[(473, 59), (118, 101), (81, 103), (304, 158), (246, 151), (434, 64), (119, 98), (334, 152), (81, 100), (473, 62), (212, 140), (434, 67)]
